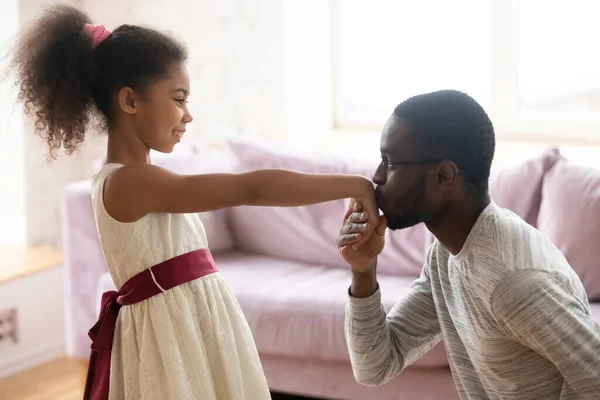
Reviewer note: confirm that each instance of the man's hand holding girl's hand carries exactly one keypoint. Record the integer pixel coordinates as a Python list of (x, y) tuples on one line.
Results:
[(362, 236)]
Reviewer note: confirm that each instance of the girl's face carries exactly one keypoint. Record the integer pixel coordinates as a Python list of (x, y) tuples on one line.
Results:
[(162, 113)]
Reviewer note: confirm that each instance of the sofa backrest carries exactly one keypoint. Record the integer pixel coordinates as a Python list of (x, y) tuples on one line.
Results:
[(308, 234), (518, 187), (570, 217)]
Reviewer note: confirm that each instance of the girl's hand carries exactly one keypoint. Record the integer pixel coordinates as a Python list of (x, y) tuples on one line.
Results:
[(368, 205)]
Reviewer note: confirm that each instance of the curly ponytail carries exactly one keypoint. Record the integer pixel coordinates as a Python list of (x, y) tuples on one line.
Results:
[(53, 63)]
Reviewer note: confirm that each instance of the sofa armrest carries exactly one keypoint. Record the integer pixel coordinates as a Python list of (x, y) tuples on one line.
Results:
[(84, 265)]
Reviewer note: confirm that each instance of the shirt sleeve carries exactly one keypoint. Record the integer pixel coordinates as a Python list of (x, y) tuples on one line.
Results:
[(381, 345), (538, 311)]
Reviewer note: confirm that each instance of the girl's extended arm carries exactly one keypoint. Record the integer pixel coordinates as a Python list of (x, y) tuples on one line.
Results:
[(136, 190)]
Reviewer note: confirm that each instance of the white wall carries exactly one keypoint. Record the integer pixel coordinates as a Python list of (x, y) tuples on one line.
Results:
[(40, 320), (12, 174)]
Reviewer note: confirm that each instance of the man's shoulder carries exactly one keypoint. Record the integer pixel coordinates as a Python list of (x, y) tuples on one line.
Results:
[(508, 231), (519, 245)]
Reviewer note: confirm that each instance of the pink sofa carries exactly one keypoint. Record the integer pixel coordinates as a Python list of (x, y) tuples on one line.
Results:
[(283, 265)]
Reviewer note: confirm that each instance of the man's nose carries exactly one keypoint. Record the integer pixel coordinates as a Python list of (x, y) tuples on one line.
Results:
[(379, 177)]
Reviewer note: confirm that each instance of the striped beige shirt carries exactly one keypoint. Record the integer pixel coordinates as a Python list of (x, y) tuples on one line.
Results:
[(513, 315)]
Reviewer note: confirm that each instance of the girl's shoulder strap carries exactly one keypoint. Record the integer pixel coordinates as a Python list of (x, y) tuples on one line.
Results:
[(105, 171), (100, 177)]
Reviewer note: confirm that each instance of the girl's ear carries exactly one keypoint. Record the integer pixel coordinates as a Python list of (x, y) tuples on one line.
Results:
[(127, 101)]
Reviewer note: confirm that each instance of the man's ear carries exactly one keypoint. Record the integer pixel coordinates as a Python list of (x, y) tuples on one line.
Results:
[(447, 174), (127, 100)]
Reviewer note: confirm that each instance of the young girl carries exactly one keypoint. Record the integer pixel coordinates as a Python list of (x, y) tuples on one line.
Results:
[(180, 333)]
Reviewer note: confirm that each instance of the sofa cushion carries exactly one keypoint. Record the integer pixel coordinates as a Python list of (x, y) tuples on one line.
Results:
[(296, 309), (308, 234), (518, 187), (570, 217)]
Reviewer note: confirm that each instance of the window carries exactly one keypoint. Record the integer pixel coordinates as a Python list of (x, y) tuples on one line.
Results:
[(388, 51), (532, 64), (559, 65)]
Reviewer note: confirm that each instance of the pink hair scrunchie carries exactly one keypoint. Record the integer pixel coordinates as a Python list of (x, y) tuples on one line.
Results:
[(98, 33)]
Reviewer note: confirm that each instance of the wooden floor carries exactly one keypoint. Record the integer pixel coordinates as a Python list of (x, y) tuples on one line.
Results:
[(63, 379)]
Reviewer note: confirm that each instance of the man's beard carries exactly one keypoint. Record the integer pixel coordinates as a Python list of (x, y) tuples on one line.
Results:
[(411, 215), (405, 221)]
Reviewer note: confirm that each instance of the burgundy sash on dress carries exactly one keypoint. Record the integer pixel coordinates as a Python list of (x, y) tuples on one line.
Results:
[(168, 274)]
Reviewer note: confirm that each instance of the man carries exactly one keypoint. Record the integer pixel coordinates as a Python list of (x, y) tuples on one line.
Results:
[(513, 315)]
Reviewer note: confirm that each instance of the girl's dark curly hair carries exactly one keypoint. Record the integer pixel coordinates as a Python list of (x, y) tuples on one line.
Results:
[(64, 82)]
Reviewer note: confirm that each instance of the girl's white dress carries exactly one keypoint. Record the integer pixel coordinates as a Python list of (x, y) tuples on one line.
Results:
[(191, 342)]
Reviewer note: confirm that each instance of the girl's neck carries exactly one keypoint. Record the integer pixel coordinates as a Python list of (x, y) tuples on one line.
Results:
[(124, 147)]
